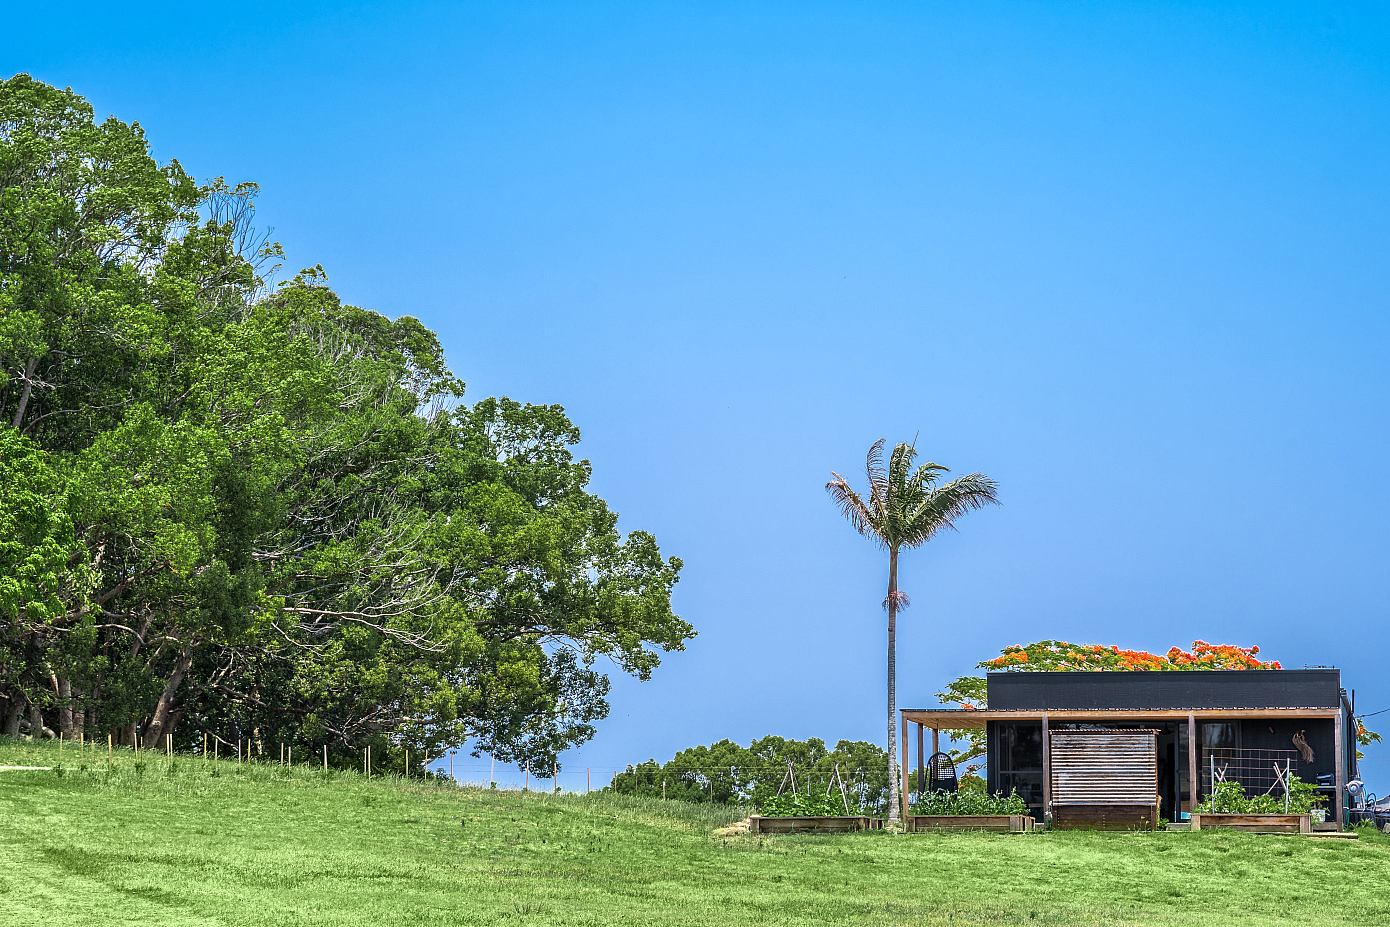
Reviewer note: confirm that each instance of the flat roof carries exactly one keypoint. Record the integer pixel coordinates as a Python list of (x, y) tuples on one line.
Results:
[(967, 718)]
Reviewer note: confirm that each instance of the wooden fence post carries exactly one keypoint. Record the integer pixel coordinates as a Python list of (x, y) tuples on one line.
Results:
[(108, 749), (325, 757)]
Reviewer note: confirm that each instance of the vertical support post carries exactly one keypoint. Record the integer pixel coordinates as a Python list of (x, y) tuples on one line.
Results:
[(902, 773), (108, 748), (325, 757), (1339, 747), (1193, 783), (451, 768), (935, 740), (492, 773), (921, 758), (1047, 770)]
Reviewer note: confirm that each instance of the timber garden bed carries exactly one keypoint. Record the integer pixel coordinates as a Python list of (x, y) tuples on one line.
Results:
[(1255, 823), (996, 823), (812, 824)]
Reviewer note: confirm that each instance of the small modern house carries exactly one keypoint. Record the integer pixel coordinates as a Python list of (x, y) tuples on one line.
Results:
[(1119, 748)]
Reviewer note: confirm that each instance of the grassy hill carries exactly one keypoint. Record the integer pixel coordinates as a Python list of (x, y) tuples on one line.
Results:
[(192, 842)]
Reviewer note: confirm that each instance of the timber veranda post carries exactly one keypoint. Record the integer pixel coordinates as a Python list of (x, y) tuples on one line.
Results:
[(1339, 768), (921, 757), (1193, 783), (1047, 770), (902, 773)]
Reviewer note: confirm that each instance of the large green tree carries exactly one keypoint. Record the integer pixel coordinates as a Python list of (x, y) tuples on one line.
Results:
[(260, 513), (905, 507)]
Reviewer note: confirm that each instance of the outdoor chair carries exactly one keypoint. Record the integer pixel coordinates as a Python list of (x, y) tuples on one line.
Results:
[(941, 774)]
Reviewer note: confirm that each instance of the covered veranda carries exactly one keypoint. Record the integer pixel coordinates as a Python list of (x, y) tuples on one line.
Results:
[(937, 720)]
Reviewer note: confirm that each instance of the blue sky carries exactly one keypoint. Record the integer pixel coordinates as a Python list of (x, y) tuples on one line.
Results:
[(1127, 258)]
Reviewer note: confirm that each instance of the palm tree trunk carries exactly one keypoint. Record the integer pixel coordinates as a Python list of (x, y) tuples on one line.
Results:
[(894, 778)]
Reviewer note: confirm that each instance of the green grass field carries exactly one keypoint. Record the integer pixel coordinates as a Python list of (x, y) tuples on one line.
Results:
[(194, 842)]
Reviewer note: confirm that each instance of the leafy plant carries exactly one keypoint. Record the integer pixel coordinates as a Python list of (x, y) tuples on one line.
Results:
[(1229, 798), (969, 801), (789, 805)]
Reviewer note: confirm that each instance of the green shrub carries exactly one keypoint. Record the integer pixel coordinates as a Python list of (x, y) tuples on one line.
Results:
[(969, 801), (1230, 798), (789, 805)]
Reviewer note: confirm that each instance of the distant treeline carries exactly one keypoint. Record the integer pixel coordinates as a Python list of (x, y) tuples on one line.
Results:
[(258, 512), (727, 773)]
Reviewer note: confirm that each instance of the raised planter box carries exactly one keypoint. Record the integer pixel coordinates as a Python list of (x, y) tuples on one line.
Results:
[(1104, 817), (1255, 823), (811, 825), (999, 823)]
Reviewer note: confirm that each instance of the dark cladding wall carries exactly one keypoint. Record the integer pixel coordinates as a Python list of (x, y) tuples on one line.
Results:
[(1320, 688)]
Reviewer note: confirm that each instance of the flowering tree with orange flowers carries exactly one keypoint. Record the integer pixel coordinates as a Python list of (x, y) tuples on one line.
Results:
[(1053, 656), (1062, 655)]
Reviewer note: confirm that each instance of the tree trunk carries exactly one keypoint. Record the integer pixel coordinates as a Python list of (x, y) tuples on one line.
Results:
[(62, 687), (894, 778), (37, 729), (25, 392), (14, 713), (162, 720)]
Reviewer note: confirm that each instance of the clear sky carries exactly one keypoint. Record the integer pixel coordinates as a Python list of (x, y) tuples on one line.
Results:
[(1130, 259)]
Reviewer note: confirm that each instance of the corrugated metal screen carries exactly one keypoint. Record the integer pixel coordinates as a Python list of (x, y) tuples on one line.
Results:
[(1104, 767)]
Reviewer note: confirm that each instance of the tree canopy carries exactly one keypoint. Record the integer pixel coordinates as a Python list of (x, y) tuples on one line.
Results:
[(729, 773), (259, 512)]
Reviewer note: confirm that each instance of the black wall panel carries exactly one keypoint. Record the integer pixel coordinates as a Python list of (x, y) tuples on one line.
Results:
[(1317, 688)]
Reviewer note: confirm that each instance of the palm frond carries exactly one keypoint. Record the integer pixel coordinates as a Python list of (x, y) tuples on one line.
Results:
[(941, 506), (877, 475), (860, 516)]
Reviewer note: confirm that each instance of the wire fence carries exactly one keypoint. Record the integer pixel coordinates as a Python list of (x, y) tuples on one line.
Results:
[(647, 778), (1260, 772)]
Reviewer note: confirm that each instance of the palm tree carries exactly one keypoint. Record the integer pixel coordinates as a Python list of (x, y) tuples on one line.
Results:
[(905, 508)]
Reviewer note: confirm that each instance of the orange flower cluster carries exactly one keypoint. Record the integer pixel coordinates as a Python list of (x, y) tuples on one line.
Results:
[(1219, 656), (1062, 655)]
